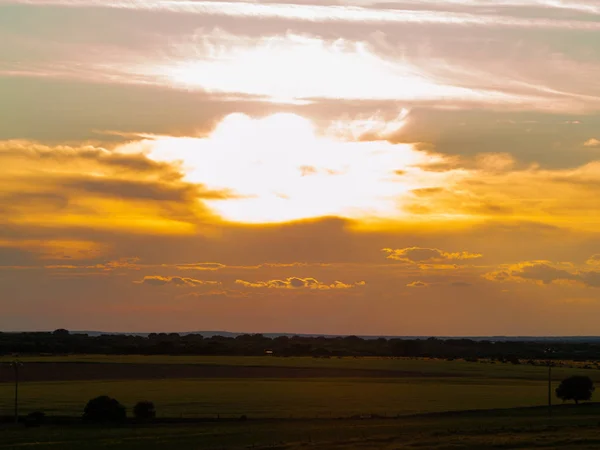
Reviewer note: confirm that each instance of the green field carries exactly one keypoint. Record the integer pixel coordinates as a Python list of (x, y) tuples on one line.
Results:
[(282, 397), (304, 409)]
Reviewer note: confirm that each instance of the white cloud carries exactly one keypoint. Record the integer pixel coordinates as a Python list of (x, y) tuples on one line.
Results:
[(321, 13)]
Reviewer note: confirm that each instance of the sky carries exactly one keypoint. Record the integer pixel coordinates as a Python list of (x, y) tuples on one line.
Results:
[(369, 167)]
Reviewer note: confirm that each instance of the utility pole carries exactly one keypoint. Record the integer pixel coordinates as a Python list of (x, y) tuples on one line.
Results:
[(15, 365), (549, 388), (548, 352)]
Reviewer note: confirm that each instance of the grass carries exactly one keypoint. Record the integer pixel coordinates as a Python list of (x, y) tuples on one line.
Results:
[(430, 366), (281, 398)]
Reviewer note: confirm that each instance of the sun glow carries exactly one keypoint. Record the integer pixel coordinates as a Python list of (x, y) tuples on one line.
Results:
[(279, 169), (293, 68)]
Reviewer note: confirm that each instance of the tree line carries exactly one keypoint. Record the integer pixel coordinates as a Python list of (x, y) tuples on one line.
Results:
[(63, 342)]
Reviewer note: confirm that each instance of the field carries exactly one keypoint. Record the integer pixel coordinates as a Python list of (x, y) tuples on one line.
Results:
[(298, 401), (570, 427)]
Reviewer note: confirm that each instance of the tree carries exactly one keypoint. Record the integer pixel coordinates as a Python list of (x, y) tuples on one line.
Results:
[(144, 410), (575, 388), (104, 409), (61, 332)]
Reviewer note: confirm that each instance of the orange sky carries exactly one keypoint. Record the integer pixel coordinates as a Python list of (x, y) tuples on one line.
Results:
[(355, 167)]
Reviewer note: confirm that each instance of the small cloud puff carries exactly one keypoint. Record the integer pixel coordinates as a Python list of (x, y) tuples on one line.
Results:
[(157, 280), (299, 283), (417, 284), (202, 266), (592, 143)]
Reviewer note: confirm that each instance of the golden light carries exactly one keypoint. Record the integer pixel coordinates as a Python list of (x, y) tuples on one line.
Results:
[(280, 169)]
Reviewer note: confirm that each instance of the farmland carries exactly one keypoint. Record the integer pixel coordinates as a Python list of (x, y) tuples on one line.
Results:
[(509, 429), (292, 399)]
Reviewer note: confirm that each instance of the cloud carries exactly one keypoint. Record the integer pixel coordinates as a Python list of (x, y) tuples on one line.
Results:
[(592, 143), (278, 188), (217, 294), (545, 273), (201, 266), (157, 280), (594, 260), (515, 194), (299, 283), (326, 13), (70, 187), (542, 271), (417, 284), (57, 248), (110, 266), (590, 278), (420, 255)]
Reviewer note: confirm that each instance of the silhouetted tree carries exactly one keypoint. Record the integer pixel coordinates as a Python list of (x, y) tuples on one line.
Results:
[(575, 388), (61, 332), (144, 410), (104, 409)]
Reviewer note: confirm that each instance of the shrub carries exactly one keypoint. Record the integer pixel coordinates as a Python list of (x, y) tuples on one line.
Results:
[(144, 410), (104, 409)]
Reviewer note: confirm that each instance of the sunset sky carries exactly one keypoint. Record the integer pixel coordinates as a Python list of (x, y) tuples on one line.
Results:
[(393, 167)]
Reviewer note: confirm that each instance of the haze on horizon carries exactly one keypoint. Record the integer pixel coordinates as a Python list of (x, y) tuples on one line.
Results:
[(336, 167)]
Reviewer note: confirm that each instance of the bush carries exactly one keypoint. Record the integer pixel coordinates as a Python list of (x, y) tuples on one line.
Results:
[(104, 409), (144, 410), (575, 388)]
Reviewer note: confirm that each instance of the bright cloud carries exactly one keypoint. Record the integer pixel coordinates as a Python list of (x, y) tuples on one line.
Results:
[(326, 13), (299, 283), (593, 142), (157, 280), (292, 67)]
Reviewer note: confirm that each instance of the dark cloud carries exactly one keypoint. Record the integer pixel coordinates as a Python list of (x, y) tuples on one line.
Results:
[(427, 255), (65, 187), (142, 190), (544, 272)]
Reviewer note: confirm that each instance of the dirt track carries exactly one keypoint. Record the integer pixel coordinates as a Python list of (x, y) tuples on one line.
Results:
[(105, 371)]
